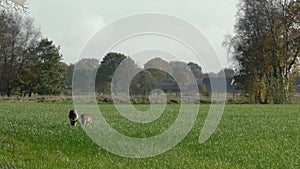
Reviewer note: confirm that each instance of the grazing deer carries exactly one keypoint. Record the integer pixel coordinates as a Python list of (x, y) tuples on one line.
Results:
[(73, 116), (86, 119)]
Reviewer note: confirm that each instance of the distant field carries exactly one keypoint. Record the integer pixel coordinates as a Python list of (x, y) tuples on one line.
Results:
[(249, 136)]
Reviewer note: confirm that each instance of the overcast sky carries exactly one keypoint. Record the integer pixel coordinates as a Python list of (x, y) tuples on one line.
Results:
[(71, 24)]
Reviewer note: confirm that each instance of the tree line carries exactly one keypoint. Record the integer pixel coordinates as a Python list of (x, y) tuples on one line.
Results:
[(116, 69), (31, 64), (265, 48)]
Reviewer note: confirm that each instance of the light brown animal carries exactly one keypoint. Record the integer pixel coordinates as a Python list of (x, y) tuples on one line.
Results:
[(86, 119)]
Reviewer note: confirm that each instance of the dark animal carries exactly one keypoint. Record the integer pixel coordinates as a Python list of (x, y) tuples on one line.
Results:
[(73, 116)]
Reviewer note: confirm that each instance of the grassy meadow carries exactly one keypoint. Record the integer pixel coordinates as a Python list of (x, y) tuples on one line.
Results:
[(38, 135)]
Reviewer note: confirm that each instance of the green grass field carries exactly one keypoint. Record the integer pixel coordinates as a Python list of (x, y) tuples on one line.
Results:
[(38, 135)]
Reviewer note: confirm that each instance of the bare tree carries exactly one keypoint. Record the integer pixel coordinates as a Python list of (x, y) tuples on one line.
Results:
[(17, 36), (17, 5)]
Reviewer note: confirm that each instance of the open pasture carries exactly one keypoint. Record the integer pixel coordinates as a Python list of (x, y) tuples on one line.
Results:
[(38, 135)]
